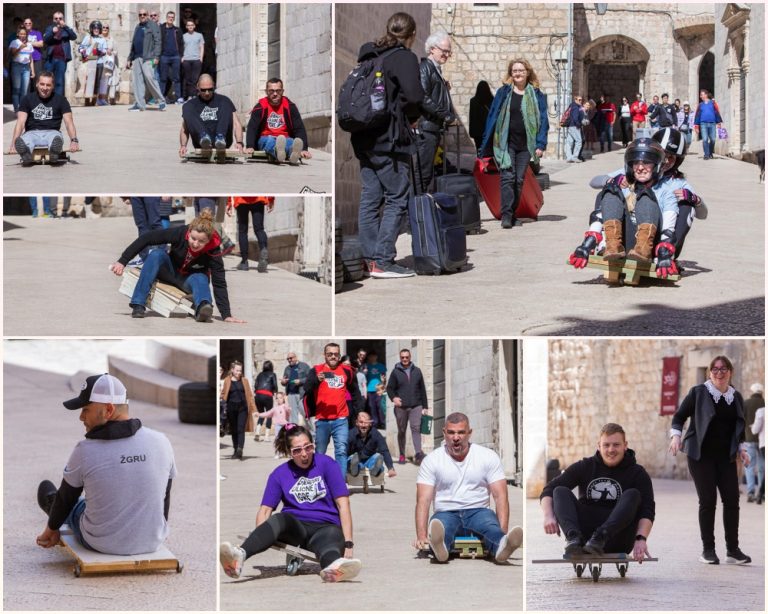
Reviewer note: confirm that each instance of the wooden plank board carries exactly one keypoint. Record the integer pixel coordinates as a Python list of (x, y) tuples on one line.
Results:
[(91, 562), (230, 155), (163, 298), (586, 558), (295, 551), (631, 269)]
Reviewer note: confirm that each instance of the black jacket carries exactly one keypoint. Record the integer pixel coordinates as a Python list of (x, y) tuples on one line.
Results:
[(176, 33), (412, 392), (210, 262), (699, 406), (258, 119), (266, 380), (602, 485), (404, 97), (365, 448), (437, 109), (312, 384)]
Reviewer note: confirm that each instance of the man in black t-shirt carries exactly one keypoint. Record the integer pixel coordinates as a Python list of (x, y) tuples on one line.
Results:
[(38, 122), (209, 119)]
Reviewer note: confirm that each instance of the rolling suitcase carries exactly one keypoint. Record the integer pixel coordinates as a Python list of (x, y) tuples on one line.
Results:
[(463, 186), (489, 182), (438, 239)]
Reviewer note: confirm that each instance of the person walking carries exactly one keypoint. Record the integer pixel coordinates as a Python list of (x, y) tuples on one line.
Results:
[(406, 390), (238, 395)]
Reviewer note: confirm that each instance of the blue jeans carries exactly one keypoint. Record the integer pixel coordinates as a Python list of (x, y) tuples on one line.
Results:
[(46, 205), (59, 69), (73, 520), (708, 137), (606, 134), (339, 430), (146, 216), (753, 482), (170, 68), (481, 522), (573, 143), (383, 177), (158, 264), (19, 82), (370, 463), (267, 143)]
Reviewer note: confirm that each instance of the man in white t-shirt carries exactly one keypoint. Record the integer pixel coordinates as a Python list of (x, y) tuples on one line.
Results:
[(126, 472), (459, 479)]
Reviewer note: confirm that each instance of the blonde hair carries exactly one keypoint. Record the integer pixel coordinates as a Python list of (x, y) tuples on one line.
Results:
[(204, 223), (532, 78)]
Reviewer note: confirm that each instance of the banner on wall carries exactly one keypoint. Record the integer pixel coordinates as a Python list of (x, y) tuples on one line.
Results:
[(670, 384)]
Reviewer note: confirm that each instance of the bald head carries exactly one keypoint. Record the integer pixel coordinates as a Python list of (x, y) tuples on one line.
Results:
[(205, 80)]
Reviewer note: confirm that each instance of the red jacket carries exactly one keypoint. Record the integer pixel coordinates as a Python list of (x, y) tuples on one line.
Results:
[(639, 110)]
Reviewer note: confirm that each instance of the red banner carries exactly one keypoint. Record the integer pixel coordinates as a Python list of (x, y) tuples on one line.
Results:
[(670, 385)]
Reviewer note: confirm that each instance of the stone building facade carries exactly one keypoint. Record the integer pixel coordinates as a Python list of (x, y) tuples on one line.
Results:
[(476, 377), (256, 41), (590, 382)]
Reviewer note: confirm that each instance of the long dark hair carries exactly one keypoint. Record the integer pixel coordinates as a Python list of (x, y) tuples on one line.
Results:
[(400, 27), (287, 434), (267, 366)]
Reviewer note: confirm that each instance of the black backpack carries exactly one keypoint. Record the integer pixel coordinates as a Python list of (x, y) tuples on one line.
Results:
[(360, 90)]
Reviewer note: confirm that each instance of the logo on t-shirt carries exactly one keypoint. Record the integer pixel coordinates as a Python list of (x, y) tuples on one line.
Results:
[(308, 490), (275, 121), (603, 489), (41, 112), (334, 381), (210, 114)]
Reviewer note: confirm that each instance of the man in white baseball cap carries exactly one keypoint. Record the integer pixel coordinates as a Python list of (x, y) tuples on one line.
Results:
[(126, 472)]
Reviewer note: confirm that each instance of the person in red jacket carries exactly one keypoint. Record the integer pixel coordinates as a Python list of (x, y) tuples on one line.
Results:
[(608, 110), (639, 110), (255, 205), (276, 127)]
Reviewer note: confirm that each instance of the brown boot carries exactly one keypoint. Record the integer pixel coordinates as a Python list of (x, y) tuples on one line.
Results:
[(643, 249), (614, 248)]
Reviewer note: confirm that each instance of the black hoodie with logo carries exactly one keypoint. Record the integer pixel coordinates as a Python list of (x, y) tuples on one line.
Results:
[(602, 485)]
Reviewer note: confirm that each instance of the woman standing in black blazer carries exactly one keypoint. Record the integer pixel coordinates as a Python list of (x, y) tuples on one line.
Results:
[(713, 442)]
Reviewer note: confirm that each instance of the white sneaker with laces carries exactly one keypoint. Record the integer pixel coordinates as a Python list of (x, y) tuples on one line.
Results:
[(341, 570), (437, 540), (509, 543), (231, 559)]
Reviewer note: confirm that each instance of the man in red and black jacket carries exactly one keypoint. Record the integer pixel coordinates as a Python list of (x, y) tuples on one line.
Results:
[(326, 389), (276, 127)]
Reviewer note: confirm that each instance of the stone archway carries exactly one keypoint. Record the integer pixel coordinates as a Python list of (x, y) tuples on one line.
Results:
[(613, 65), (707, 73)]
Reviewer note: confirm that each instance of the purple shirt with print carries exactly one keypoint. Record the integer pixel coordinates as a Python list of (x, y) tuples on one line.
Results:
[(307, 494)]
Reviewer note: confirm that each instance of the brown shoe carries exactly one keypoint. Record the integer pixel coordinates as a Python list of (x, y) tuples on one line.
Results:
[(614, 248), (643, 249)]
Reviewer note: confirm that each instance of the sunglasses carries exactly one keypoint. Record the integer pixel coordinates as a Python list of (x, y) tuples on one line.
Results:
[(142, 14), (206, 89), (310, 447)]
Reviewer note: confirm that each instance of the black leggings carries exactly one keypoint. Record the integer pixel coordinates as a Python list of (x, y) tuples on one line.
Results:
[(237, 415), (710, 475), (512, 181), (325, 540), (264, 402), (618, 521), (257, 217)]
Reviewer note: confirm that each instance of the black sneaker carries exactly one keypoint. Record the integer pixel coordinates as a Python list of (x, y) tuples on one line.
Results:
[(389, 271), (55, 148), (204, 312), (139, 311), (709, 557), (46, 494), (243, 266), (737, 557), (596, 543), (507, 221), (573, 544), (23, 151), (263, 260), (418, 458), (353, 465)]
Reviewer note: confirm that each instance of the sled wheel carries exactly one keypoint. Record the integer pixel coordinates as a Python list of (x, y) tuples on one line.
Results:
[(622, 569), (382, 488), (365, 485), (179, 567), (579, 570), (77, 570), (595, 572), (292, 565)]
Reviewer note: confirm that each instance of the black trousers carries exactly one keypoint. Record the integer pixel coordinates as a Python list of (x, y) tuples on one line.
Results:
[(710, 476), (264, 402), (325, 540), (257, 217), (618, 521), (626, 130), (512, 181), (426, 145), (237, 416), (191, 70), (682, 226)]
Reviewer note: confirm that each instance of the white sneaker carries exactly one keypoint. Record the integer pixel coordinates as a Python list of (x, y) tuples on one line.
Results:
[(280, 148), (231, 559), (296, 148), (437, 540), (509, 543), (341, 570)]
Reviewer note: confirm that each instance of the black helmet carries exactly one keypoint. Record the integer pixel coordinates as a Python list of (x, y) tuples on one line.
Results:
[(94, 25), (643, 150), (673, 142)]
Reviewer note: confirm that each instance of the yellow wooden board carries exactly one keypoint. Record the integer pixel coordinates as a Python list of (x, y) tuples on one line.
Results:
[(630, 269)]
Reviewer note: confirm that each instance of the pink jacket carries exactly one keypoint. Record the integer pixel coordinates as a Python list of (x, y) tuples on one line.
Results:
[(280, 414)]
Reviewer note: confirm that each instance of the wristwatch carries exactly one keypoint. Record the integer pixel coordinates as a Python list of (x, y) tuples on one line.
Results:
[(640, 538), (349, 544), (74, 140)]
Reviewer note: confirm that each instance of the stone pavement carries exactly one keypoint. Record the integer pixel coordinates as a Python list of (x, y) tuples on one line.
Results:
[(38, 436), (392, 577), (676, 582), (56, 282), (128, 153), (520, 283)]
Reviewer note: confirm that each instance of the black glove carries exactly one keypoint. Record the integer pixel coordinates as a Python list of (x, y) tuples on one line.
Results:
[(580, 255)]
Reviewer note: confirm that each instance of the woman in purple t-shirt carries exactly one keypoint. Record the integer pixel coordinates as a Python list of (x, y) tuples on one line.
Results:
[(315, 513)]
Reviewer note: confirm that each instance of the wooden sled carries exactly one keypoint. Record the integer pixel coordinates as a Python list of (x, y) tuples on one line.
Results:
[(464, 547), (630, 270), (91, 562), (41, 155), (365, 480), (163, 298), (294, 557), (594, 563)]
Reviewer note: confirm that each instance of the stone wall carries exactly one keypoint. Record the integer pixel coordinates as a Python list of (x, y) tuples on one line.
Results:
[(240, 54), (592, 382)]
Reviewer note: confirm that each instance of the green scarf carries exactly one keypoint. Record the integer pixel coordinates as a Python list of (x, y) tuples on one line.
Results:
[(530, 111)]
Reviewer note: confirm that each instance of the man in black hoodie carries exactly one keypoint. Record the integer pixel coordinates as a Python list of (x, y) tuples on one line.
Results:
[(384, 153), (615, 505)]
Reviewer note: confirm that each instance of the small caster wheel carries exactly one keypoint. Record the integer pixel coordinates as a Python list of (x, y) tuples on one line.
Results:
[(365, 485), (382, 488), (579, 570), (77, 570), (292, 566), (179, 566), (622, 570), (595, 573)]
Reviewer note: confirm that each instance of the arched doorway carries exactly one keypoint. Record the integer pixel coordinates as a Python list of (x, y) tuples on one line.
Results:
[(614, 65), (707, 73)]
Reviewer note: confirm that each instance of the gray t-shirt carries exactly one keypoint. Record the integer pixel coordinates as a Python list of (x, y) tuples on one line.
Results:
[(124, 482), (192, 44)]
